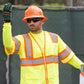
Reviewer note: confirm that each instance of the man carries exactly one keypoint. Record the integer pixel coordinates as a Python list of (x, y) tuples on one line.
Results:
[(39, 50)]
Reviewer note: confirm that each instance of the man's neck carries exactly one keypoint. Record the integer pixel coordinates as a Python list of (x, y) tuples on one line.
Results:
[(36, 32)]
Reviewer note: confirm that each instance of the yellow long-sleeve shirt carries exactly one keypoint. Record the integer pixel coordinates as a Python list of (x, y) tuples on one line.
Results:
[(52, 49)]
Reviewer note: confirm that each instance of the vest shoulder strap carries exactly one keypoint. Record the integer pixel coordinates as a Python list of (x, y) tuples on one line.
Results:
[(27, 45), (17, 45), (54, 37)]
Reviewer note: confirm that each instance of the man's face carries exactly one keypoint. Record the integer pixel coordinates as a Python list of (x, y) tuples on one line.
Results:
[(35, 25)]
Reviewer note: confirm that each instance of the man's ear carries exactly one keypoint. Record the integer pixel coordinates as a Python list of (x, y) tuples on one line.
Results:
[(42, 22)]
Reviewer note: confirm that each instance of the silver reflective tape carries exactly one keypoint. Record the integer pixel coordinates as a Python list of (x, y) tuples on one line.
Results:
[(54, 37), (50, 59), (64, 54), (17, 45), (39, 61), (28, 46), (82, 68)]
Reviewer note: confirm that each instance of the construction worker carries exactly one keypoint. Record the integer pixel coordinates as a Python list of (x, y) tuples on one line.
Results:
[(39, 50)]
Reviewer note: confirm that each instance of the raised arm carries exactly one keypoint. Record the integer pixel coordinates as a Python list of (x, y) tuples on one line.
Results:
[(7, 35)]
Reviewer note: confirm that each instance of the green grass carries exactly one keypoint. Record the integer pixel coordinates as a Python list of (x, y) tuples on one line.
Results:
[(54, 4), (46, 4), (1, 8)]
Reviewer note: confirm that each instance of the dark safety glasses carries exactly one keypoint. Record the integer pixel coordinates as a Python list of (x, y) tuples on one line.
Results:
[(34, 20)]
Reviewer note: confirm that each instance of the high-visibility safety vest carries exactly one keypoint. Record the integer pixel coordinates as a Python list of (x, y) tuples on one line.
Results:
[(40, 57)]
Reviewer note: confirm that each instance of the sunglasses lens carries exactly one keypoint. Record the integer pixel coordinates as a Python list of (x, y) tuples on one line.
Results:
[(34, 20), (28, 20)]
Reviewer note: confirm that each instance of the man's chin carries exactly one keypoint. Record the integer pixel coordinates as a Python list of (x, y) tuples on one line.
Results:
[(33, 30)]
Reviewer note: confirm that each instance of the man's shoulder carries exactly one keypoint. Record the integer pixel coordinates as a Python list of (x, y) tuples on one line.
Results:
[(20, 36), (51, 33)]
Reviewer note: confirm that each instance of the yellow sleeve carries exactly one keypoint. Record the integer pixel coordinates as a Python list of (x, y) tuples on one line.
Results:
[(7, 35), (76, 62), (66, 55), (64, 52), (8, 43)]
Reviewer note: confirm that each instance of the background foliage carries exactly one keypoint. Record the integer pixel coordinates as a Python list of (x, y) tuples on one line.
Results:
[(43, 2)]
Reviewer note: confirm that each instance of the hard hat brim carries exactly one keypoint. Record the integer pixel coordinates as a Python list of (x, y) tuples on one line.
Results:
[(44, 18)]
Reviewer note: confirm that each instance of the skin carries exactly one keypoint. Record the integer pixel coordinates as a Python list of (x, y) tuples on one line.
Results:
[(35, 27)]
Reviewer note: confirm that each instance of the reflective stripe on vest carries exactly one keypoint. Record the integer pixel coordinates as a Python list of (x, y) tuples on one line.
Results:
[(17, 45), (37, 61), (54, 37), (65, 53), (28, 47)]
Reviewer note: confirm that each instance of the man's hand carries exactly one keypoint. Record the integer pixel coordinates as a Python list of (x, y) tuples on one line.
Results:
[(7, 12)]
